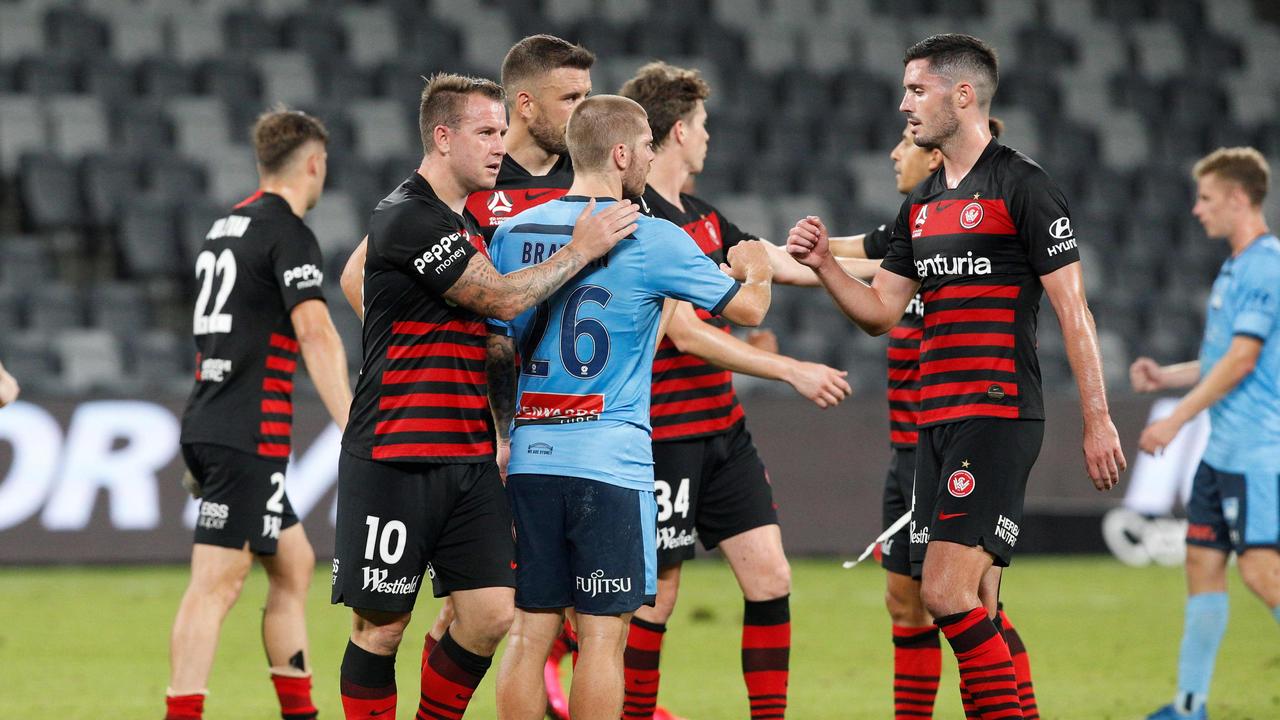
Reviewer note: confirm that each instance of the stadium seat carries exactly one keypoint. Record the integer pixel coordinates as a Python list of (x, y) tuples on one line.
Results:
[(343, 82), (136, 32), (337, 223), (196, 218), (162, 78), (201, 128), (173, 179), (119, 308), (233, 176), (141, 126), (197, 35), (287, 77), (109, 80), (53, 306), (70, 32), (382, 129), (147, 247), (46, 75), (11, 310), (77, 125), (317, 35), (22, 130), (50, 192), (372, 35), (91, 360), (25, 263), (21, 32), (27, 356), (246, 32), (108, 180)]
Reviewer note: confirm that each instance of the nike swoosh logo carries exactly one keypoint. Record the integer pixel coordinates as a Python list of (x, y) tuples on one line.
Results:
[(532, 196), (948, 516), (383, 711)]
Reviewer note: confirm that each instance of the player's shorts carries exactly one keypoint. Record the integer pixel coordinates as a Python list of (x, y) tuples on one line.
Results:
[(583, 544), (1234, 511), (398, 520), (243, 499), (895, 552), (709, 489), (971, 480)]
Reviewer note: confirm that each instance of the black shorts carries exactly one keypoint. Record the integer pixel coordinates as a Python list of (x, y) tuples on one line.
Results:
[(895, 554), (709, 489), (243, 499), (971, 479), (397, 521)]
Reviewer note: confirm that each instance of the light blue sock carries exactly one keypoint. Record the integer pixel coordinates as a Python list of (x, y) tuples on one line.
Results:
[(1275, 613), (1206, 621)]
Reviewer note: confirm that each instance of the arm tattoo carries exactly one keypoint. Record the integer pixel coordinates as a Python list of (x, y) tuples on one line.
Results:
[(500, 368), (482, 289)]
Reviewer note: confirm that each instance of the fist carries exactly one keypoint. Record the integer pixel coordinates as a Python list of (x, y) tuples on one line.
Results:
[(807, 241), (1144, 375), (751, 258)]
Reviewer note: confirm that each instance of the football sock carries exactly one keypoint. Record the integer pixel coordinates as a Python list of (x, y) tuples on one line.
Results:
[(640, 669), (294, 694), (766, 655), (1275, 613), (986, 670), (970, 709), (368, 684), (1021, 665), (184, 707), (917, 663), (428, 644), (449, 679), (1202, 631)]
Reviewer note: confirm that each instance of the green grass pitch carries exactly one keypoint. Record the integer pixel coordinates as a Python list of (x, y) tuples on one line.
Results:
[(93, 643)]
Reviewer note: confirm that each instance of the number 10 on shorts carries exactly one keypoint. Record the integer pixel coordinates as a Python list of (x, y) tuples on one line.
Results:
[(662, 493), (393, 531)]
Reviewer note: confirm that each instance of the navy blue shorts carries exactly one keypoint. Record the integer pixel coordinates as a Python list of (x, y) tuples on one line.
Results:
[(1234, 511), (583, 544)]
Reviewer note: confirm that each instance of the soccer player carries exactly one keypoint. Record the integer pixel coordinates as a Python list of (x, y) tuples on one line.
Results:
[(710, 481), (259, 306), (983, 238), (418, 486), (1233, 496), (581, 476), (917, 656), (8, 387)]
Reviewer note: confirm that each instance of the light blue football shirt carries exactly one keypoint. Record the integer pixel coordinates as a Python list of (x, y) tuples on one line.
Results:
[(1245, 425), (586, 353)]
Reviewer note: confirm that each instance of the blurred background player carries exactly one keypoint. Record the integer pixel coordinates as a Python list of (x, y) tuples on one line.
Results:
[(417, 480), (983, 237), (710, 481), (581, 477), (260, 305), (9, 389), (917, 656), (1237, 378)]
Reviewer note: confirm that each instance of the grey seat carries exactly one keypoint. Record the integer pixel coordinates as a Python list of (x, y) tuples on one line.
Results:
[(77, 125), (28, 357), (108, 180), (146, 237), (22, 130), (25, 262), (50, 192), (161, 359), (90, 359), (120, 308), (55, 306)]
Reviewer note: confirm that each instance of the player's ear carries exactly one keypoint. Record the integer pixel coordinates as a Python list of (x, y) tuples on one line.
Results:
[(440, 136), (679, 130), (621, 156), (935, 159), (524, 104), (964, 94)]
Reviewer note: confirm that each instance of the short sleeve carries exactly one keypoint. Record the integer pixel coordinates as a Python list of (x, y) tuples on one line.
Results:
[(875, 244), (899, 258), (297, 265), (430, 246), (1259, 303), (1040, 214), (675, 267)]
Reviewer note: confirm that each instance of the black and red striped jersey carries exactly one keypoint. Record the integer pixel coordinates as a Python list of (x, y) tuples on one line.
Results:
[(255, 265), (691, 397), (903, 355), (516, 191), (421, 396), (978, 251)]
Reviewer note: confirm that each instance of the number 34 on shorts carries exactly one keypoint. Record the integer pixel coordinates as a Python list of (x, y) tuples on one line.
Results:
[(667, 505)]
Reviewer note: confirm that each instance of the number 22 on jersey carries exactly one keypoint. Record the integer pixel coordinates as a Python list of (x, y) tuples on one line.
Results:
[(207, 266)]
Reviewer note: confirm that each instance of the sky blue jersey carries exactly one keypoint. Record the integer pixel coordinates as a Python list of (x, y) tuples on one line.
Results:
[(586, 353), (1245, 434)]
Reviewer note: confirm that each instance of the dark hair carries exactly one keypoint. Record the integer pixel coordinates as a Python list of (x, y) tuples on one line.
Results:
[(959, 56), (444, 100), (667, 93), (1244, 166), (540, 54), (996, 126), (278, 132), (599, 124)]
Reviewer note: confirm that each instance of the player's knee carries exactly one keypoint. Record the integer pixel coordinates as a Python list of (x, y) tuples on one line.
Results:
[(774, 582), (1262, 578), (906, 610), (382, 637), (939, 599), (492, 627)]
